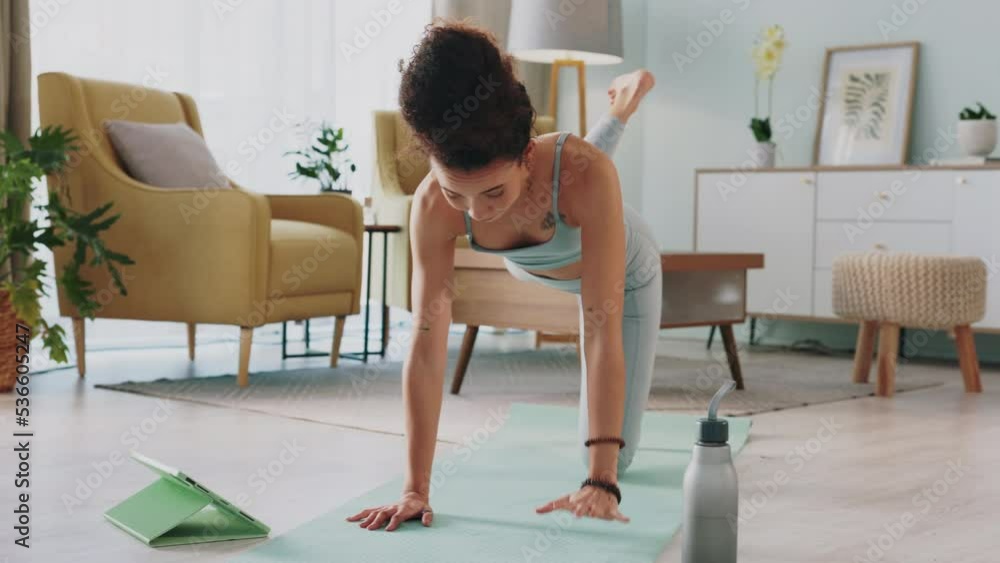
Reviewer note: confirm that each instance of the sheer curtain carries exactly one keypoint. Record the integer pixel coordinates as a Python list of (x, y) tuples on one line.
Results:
[(256, 68)]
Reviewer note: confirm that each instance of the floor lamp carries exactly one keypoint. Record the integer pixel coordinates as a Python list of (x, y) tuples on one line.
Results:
[(566, 35)]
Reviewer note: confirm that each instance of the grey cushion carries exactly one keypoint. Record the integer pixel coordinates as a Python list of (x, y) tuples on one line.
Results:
[(165, 155)]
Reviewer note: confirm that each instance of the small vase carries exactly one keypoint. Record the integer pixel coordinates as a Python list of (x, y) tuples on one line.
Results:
[(762, 154), (978, 137)]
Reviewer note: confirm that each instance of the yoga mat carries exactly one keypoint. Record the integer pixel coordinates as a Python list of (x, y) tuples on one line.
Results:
[(484, 500)]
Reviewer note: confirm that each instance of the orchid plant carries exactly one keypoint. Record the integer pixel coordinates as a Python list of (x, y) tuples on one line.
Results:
[(767, 52)]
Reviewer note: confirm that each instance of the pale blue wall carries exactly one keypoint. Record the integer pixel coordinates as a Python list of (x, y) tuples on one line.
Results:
[(697, 116), (629, 155)]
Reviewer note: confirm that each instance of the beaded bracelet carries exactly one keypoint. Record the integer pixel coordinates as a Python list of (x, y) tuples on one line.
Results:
[(605, 440), (605, 485)]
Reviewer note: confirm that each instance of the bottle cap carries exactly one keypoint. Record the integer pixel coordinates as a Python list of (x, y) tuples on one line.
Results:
[(715, 430)]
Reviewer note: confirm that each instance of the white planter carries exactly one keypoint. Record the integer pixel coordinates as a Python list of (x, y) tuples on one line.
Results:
[(978, 137), (762, 154)]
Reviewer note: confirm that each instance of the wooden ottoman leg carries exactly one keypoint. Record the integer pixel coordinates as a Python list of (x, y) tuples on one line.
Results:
[(967, 359), (732, 354), (888, 349), (863, 353), (468, 341)]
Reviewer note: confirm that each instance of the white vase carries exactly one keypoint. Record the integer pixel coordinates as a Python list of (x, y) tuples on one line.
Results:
[(978, 137), (762, 154)]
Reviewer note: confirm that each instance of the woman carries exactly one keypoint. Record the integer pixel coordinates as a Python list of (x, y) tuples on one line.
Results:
[(552, 206)]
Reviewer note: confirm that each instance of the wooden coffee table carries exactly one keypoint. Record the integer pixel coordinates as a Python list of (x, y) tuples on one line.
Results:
[(699, 289)]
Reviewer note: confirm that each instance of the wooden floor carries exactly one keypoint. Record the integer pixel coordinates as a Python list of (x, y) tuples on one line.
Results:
[(914, 476)]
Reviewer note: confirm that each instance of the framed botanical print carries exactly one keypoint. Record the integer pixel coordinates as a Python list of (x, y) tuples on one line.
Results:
[(867, 104)]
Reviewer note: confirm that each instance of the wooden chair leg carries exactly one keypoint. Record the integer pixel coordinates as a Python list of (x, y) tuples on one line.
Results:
[(468, 341), (732, 354), (967, 359), (246, 339), (191, 332), (888, 349), (338, 335), (79, 339), (864, 350)]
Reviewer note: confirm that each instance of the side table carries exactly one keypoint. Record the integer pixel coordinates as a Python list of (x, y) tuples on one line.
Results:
[(385, 230)]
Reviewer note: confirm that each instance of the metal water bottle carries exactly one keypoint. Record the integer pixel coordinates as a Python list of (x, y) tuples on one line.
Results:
[(711, 492)]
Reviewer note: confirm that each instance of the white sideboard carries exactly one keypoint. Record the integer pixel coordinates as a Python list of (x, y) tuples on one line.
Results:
[(802, 218)]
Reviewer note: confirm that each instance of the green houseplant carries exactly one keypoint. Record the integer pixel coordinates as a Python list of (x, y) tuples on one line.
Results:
[(325, 160), (47, 152), (977, 131)]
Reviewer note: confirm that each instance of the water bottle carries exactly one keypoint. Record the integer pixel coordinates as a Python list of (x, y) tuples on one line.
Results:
[(711, 492)]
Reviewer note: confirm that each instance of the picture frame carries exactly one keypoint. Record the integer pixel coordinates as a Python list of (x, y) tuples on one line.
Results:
[(866, 107)]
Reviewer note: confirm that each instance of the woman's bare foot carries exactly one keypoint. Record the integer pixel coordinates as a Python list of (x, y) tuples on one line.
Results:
[(627, 91)]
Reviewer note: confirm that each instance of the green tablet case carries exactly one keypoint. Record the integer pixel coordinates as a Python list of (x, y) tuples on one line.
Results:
[(177, 510)]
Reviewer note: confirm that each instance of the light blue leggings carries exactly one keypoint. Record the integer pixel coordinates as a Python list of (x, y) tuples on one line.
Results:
[(640, 315)]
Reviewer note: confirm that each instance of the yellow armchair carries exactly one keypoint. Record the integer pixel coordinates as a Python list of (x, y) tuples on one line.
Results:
[(202, 255), (398, 172)]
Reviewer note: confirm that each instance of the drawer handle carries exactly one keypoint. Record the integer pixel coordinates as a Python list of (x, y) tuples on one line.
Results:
[(881, 246), (807, 180), (884, 196), (960, 180)]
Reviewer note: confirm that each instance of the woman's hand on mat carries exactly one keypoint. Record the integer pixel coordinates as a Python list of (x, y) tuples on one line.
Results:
[(588, 501), (410, 507)]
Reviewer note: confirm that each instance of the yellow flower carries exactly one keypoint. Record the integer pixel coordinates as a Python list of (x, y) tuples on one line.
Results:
[(774, 33)]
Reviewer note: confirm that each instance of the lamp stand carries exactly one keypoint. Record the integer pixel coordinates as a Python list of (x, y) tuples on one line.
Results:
[(581, 80)]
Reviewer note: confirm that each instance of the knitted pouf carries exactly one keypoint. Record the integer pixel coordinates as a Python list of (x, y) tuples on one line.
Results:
[(887, 291), (911, 290)]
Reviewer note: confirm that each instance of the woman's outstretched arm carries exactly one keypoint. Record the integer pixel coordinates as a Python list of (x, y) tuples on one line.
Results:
[(433, 250)]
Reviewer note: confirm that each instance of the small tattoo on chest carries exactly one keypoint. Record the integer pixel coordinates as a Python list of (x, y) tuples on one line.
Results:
[(549, 222)]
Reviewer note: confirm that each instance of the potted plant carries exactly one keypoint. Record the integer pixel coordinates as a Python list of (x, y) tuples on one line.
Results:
[(977, 131), (325, 160), (767, 52), (47, 152)]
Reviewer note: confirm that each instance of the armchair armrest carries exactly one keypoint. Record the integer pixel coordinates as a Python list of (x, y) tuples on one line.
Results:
[(339, 211), (201, 254)]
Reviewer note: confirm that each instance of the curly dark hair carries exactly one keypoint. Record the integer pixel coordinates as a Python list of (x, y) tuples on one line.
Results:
[(460, 95)]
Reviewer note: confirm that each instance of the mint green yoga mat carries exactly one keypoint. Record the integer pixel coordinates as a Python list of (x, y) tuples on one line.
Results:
[(484, 500)]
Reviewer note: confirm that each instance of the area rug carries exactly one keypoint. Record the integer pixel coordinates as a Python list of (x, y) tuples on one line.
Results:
[(484, 502), (369, 396)]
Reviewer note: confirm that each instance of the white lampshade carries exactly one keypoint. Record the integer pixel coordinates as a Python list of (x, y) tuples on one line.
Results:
[(542, 31)]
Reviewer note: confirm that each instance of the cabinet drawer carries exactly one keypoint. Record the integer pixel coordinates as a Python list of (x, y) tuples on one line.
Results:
[(898, 195), (838, 237)]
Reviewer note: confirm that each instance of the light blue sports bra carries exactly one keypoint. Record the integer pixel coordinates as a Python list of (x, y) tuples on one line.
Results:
[(561, 250)]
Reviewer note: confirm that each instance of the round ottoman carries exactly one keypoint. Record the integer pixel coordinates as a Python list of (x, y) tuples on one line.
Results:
[(886, 291)]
